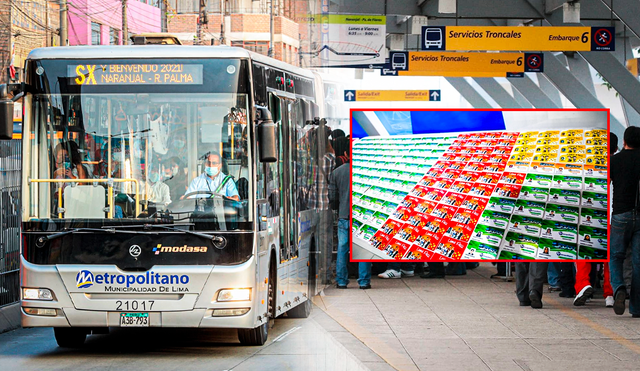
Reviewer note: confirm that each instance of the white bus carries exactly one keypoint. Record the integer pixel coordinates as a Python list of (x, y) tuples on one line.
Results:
[(169, 186)]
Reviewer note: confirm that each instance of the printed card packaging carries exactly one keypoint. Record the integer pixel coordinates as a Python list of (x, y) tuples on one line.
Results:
[(564, 196), (396, 248), (593, 217), (403, 214), (550, 249), (443, 183), (586, 252), (561, 213), (568, 169), (505, 205), (548, 149), (559, 231), (418, 219), (460, 232), (478, 250), (549, 134), (366, 232), (495, 167), (486, 234), (450, 174), (525, 225), (469, 176), (461, 186), (437, 226), (538, 180), (435, 172), (592, 237), (534, 194), (520, 244), (444, 211), (425, 206), (572, 133), (417, 253), (408, 232), (573, 148), (474, 203), (481, 189), (598, 171), (355, 224), (595, 185), (411, 202), (579, 140), (520, 166), (419, 191), (529, 208), (466, 216), (368, 215), (501, 150), (495, 219), (398, 196), (543, 167), (427, 240), (453, 199), (567, 182), (507, 190), (391, 227), (450, 248), (526, 142), (507, 255), (380, 240), (379, 218), (512, 178), (389, 206), (594, 200), (574, 158), (597, 150), (489, 178), (474, 166)]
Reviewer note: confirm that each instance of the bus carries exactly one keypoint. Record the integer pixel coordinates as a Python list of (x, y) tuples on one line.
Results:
[(169, 186)]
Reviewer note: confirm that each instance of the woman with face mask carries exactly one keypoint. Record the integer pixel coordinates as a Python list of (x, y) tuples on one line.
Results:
[(175, 178), (159, 192), (213, 180)]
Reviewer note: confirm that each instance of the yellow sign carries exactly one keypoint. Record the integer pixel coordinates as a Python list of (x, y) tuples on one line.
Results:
[(521, 38), (391, 95), (468, 62), (134, 74)]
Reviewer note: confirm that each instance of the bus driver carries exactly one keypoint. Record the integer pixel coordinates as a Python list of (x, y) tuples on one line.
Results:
[(213, 179)]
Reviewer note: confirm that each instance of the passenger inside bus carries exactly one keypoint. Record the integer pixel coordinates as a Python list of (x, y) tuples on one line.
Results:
[(68, 161)]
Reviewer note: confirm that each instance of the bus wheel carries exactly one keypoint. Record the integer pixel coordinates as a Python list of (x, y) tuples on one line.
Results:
[(70, 337), (301, 311)]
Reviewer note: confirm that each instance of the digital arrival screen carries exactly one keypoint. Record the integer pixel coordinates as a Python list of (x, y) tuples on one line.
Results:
[(135, 74)]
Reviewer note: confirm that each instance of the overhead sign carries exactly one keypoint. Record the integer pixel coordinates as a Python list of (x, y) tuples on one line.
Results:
[(135, 74), (518, 38), (464, 64), (391, 95), (351, 41)]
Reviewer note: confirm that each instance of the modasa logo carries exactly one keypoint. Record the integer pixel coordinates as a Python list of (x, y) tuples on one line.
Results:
[(84, 279), (184, 248)]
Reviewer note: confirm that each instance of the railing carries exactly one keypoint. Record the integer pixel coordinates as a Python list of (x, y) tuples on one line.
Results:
[(10, 155)]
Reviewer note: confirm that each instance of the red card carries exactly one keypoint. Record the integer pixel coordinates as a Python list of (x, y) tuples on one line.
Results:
[(427, 240), (444, 211), (481, 158), (450, 248), (450, 174), (501, 150), (425, 207), (454, 148), (481, 189), (427, 181), (461, 186), (396, 248), (499, 159), (418, 219), (410, 202), (468, 150), (436, 226), (456, 165), (419, 191), (474, 203), (391, 227), (434, 173), (475, 166), (507, 190), (441, 165), (467, 217), (380, 240), (417, 253), (460, 232), (434, 194), (496, 168), (453, 199), (408, 232), (403, 213), (489, 178), (513, 178), (449, 156), (469, 176), (444, 183), (463, 157)]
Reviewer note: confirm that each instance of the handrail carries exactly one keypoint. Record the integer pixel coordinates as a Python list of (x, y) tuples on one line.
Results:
[(97, 180)]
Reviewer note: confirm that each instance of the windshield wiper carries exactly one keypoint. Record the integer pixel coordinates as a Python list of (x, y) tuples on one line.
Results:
[(41, 240), (219, 242)]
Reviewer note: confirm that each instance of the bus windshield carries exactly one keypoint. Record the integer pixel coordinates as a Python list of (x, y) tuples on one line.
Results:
[(127, 143)]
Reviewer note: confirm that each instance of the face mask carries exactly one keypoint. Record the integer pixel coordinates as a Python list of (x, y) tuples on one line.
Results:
[(174, 170), (154, 177), (211, 171)]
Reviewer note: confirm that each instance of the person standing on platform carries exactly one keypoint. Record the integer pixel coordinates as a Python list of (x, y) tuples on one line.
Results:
[(529, 280), (625, 226), (340, 190)]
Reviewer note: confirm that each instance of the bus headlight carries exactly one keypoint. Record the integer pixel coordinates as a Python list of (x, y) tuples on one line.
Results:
[(229, 312), (234, 295), (41, 311), (36, 294)]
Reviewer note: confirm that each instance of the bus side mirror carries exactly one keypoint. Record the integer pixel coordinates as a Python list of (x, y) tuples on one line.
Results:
[(6, 114), (266, 135)]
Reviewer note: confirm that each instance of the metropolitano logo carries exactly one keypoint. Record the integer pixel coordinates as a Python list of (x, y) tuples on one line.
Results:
[(84, 279)]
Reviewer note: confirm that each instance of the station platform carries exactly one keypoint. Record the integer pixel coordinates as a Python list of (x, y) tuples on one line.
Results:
[(473, 322)]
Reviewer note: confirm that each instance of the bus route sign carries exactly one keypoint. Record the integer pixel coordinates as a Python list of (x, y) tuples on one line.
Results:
[(500, 38), (135, 74)]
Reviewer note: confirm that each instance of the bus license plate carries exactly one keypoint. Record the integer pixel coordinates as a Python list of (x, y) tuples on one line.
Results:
[(134, 319)]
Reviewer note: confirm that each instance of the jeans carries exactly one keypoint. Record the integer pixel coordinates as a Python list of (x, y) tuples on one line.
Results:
[(625, 231), (396, 266), (552, 275), (342, 274), (529, 277)]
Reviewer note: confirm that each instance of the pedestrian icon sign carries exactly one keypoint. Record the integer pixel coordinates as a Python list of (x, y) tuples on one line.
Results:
[(602, 38), (534, 62), (349, 95)]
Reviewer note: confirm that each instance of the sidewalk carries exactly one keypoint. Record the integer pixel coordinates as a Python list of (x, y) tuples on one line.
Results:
[(474, 323)]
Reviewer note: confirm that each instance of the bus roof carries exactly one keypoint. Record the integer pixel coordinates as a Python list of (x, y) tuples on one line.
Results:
[(159, 51)]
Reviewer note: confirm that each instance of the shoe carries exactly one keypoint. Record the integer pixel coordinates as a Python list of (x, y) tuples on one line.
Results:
[(432, 275), (635, 315), (341, 286), (582, 296), (619, 301), (365, 287), (554, 288), (525, 303), (567, 294), (406, 273), (390, 273), (608, 301), (536, 299)]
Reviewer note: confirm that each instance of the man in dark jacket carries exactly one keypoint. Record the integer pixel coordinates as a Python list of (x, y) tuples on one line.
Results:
[(339, 190), (625, 226)]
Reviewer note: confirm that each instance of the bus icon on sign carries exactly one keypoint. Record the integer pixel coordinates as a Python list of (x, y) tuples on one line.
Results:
[(399, 61), (433, 38)]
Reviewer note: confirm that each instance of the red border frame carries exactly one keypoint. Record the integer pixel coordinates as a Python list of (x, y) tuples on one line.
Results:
[(607, 110)]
